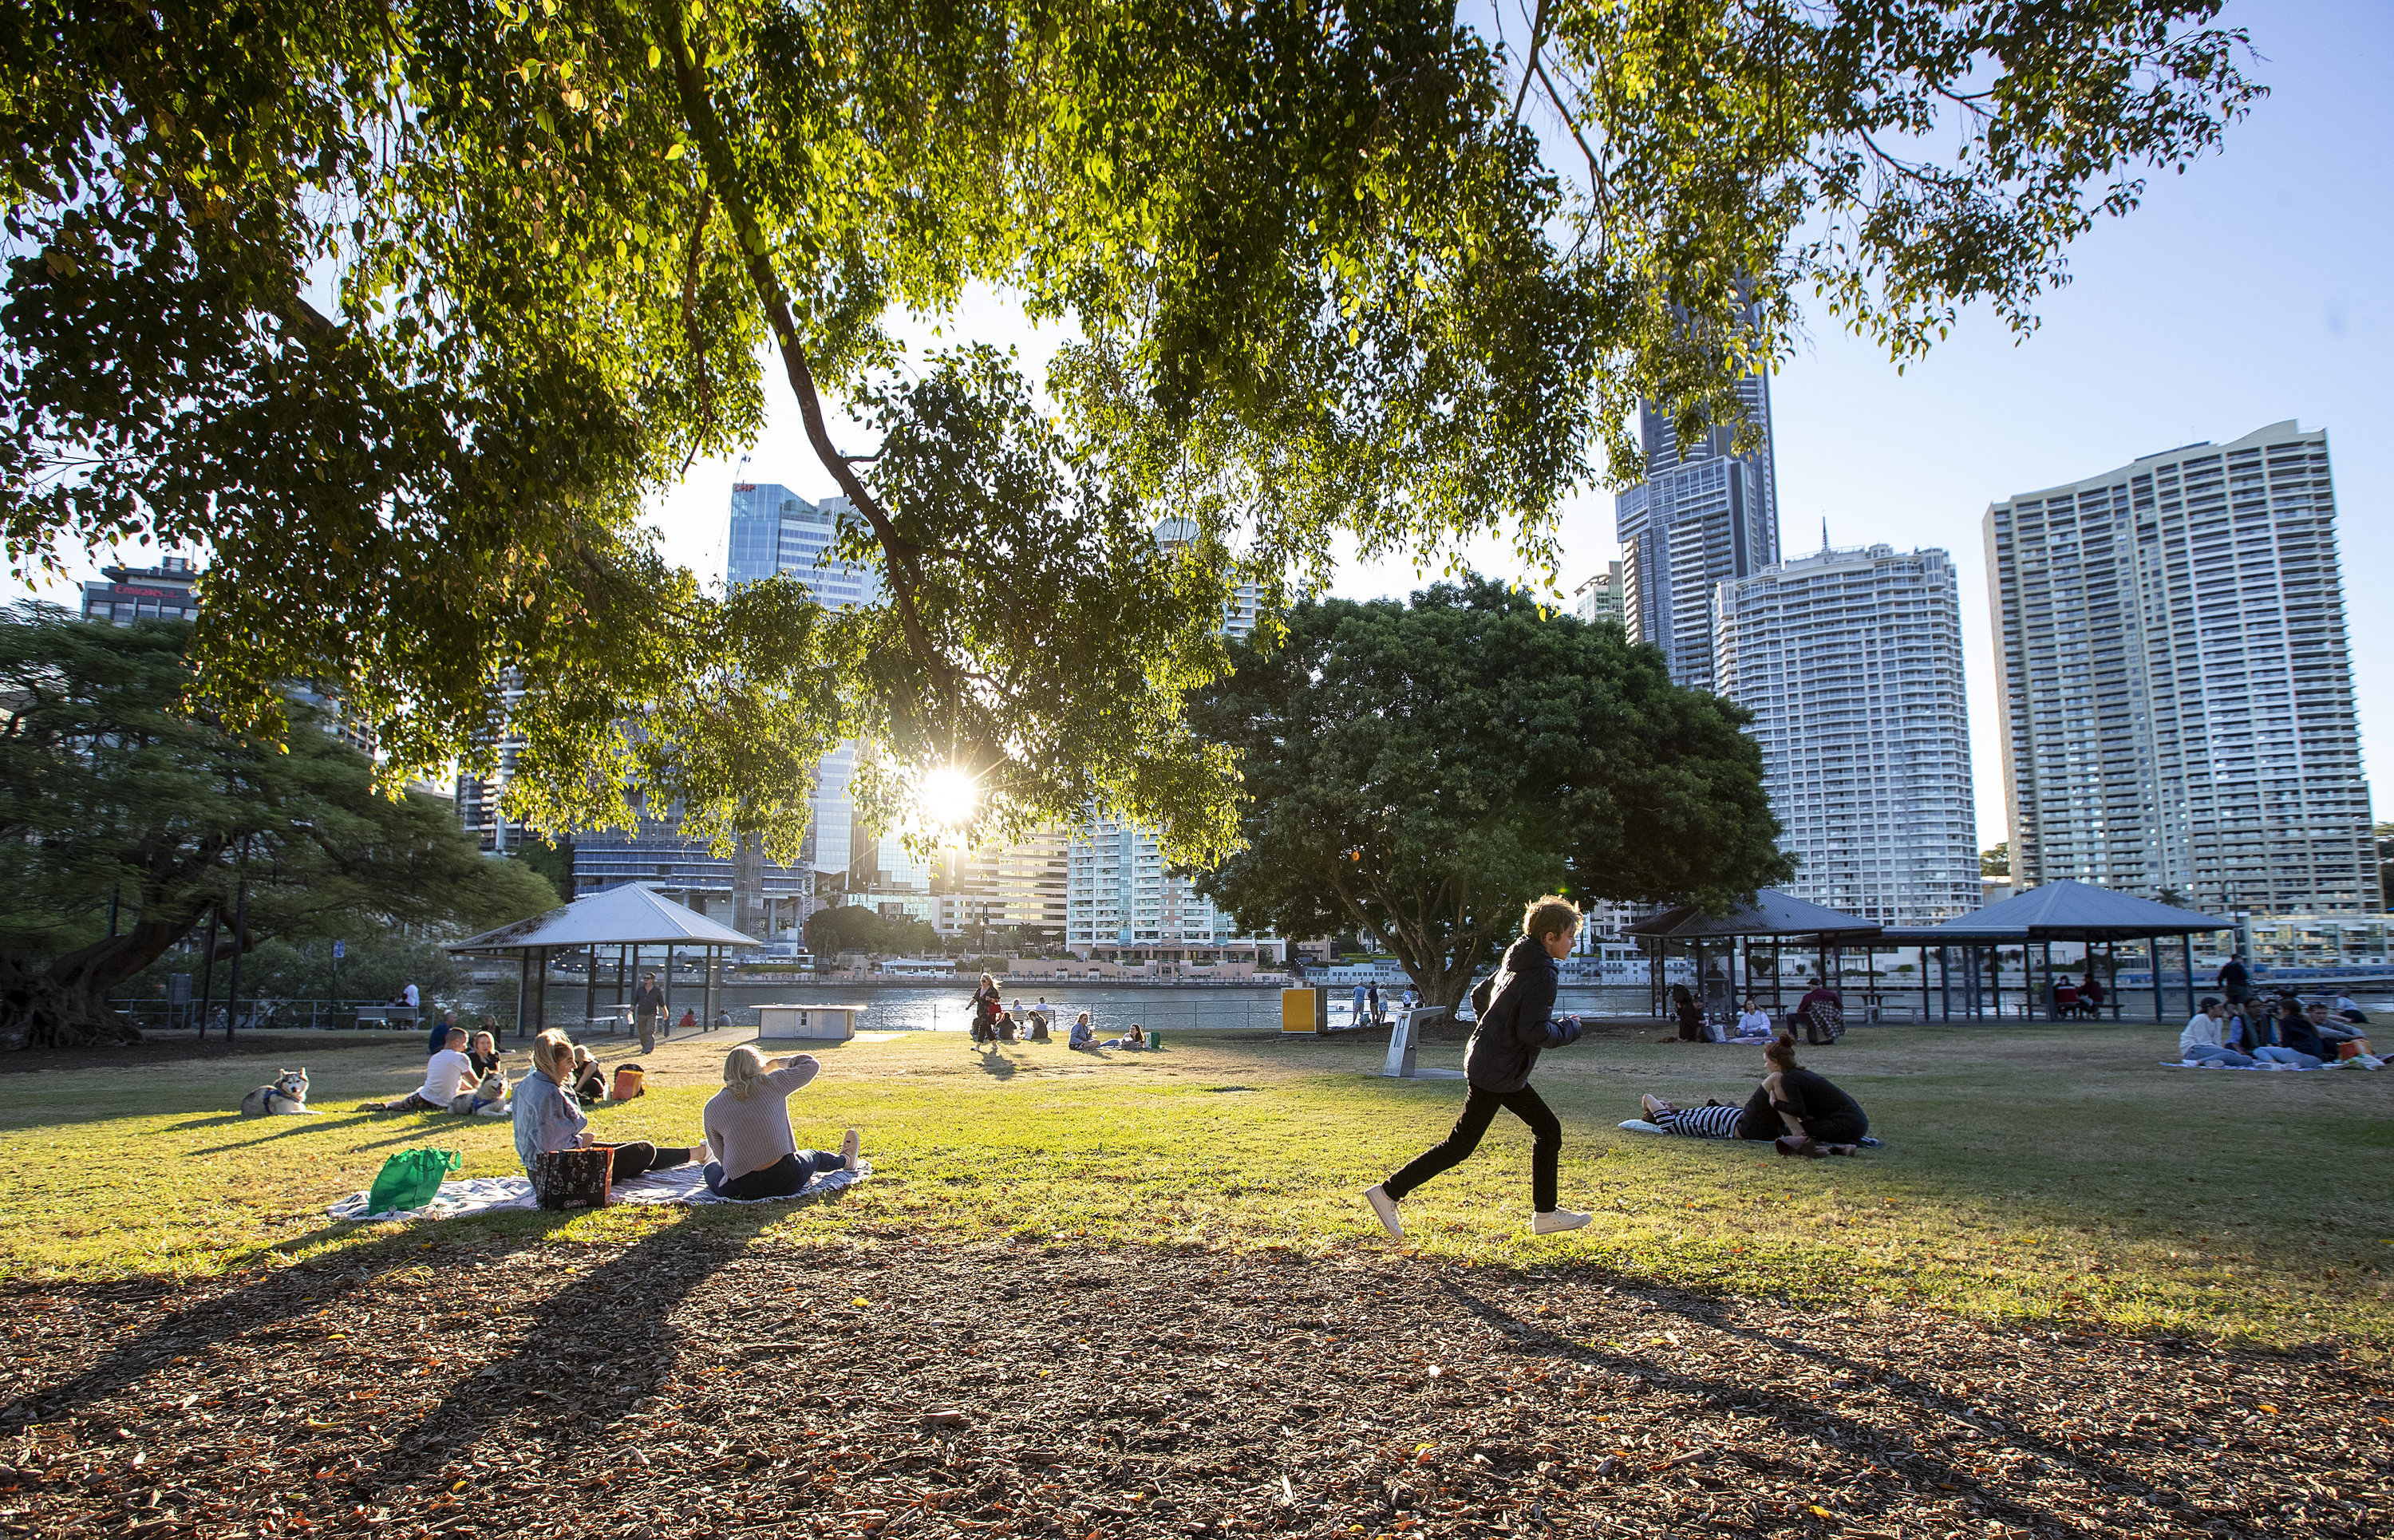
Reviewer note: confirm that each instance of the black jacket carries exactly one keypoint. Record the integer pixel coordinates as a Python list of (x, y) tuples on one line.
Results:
[(1504, 1042)]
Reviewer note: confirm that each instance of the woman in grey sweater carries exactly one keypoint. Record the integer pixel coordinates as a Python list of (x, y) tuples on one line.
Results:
[(748, 1128)]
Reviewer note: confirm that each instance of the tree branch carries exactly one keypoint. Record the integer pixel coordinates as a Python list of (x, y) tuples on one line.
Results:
[(901, 557)]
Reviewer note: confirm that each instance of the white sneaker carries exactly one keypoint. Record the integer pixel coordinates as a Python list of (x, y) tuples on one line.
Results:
[(1557, 1221), (848, 1148), (1386, 1207)]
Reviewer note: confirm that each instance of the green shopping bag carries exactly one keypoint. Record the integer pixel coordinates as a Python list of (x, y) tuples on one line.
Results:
[(410, 1180)]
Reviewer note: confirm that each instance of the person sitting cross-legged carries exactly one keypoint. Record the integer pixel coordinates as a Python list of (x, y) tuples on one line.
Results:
[(446, 1070), (2297, 1044), (748, 1128), (1084, 1035), (1791, 1103), (2204, 1041), (548, 1119)]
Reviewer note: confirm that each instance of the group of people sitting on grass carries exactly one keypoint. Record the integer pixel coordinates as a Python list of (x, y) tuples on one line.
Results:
[(463, 1077), (993, 1024), (2246, 1034), (749, 1147)]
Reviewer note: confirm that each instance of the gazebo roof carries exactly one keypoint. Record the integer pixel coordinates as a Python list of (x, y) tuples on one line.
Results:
[(1771, 913), (2070, 911), (633, 915)]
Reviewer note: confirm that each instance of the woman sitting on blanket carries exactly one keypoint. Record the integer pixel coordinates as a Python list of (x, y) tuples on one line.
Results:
[(549, 1118), (748, 1128), (1791, 1101)]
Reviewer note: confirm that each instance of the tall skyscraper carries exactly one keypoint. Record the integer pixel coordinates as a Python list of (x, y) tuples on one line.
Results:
[(1702, 516), (2175, 682), (1851, 663)]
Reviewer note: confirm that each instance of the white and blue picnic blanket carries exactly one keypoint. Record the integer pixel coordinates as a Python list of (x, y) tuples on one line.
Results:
[(460, 1196)]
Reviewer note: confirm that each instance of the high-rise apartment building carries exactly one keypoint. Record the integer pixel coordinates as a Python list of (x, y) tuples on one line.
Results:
[(1599, 596), (2175, 683), (1851, 663), (1702, 516)]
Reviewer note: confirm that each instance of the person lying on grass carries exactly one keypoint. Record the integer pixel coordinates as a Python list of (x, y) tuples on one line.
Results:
[(748, 1128), (547, 1118), (1131, 1039), (444, 1072), (1504, 1049), (1791, 1102)]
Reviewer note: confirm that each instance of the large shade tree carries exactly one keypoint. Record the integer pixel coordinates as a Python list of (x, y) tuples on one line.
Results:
[(400, 311), (1418, 772), (119, 804)]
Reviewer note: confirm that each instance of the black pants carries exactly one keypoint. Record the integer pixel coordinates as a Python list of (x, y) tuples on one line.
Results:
[(1478, 1112), (778, 1181), (640, 1157)]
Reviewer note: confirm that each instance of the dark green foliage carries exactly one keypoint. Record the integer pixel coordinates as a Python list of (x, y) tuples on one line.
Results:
[(108, 786), (552, 861), (1416, 774), (400, 313), (853, 927)]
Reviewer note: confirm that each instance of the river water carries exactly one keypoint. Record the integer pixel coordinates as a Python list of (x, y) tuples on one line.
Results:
[(948, 1008)]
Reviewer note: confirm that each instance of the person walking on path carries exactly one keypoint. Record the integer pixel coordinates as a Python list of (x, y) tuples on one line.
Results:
[(1504, 1049), (648, 1005)]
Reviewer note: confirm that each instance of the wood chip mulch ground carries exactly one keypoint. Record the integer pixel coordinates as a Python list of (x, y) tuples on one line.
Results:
[(702, 1384)]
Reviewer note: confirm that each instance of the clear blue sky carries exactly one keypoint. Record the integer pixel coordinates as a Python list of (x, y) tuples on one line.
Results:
[(2248, 291)]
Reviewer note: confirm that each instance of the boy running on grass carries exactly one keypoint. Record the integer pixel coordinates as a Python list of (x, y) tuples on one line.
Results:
[(1504, 1049)]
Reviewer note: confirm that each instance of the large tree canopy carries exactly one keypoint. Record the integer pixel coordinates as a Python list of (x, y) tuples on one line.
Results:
[(400, 309), (1418, 772), (110, 789)]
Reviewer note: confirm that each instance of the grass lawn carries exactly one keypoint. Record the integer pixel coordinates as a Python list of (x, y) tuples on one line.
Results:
[(2044, 1172)]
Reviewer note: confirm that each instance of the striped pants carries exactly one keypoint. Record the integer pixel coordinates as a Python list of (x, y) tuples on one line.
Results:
[(1701, 1122)]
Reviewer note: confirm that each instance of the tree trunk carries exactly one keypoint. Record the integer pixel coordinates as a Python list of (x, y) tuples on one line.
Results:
[(65, 1006), (43, 1010)]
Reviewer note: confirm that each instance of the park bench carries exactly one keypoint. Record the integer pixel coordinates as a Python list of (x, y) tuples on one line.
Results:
[(388, 1017)]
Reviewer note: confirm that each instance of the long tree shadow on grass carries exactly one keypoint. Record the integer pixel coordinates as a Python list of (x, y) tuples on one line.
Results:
[(268, 1133), (258, 1307), (1797, 1417), (612, 1318)]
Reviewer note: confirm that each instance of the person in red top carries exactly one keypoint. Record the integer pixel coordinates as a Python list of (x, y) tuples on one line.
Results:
[(1821, 1026)]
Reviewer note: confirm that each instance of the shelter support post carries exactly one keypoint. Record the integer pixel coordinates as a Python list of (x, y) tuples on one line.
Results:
[(2186, 943), (523, 989), (2112, 966), (2052, 1011), (2153, 950)]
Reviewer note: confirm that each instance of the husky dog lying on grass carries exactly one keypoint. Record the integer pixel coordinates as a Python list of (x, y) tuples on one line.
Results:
[(489, 1098), (286, 1098)]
